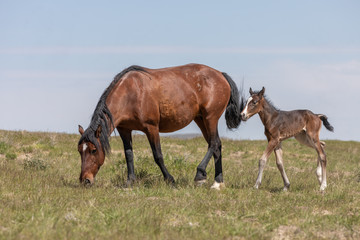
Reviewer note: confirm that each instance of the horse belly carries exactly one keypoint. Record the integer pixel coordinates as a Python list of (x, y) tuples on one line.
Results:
[(176, 115)]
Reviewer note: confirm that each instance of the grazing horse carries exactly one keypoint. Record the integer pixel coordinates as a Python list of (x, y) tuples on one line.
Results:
[(160, 100), (279, 125)]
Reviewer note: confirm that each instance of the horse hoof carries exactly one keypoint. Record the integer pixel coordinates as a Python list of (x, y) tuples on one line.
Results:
[(200, 182), (129, 183), (170, 181), (217, 186)]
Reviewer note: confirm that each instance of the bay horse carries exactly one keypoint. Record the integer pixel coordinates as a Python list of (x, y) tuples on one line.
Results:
[(160, 100), (279, 125)]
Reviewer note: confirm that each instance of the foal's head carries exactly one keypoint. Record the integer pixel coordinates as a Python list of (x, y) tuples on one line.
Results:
[(92, 156), (254, 104)]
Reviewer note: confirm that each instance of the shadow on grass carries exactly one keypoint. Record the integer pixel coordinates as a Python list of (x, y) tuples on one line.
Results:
[(277, 190), (149, 180), (143, 178)]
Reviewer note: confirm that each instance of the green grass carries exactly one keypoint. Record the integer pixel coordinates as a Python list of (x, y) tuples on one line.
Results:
[(41, 198)]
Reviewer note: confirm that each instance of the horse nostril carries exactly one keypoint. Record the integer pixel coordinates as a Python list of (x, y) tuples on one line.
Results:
[(243, 117), (87, 182)]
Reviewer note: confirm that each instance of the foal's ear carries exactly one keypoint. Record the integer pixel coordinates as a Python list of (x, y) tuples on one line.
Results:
[(251, 91), (81, 130), (261, 93), (98, 132)]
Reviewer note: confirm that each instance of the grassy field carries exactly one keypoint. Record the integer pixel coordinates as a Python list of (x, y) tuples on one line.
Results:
[(41, 197)]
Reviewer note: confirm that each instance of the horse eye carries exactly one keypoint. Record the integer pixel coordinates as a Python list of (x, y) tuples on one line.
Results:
[(93, 151), (255, 102)]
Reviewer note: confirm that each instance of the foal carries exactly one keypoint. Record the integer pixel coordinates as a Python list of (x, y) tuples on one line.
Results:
[(280, 125)]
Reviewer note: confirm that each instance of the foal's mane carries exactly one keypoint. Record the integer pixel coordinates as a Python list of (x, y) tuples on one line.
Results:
[(270, 103), (102, 116), (267, 99)]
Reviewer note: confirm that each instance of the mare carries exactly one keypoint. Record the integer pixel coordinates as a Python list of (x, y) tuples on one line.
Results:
[(160, 100), (279, 125)]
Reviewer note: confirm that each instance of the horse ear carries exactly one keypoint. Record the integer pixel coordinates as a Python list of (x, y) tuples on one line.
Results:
[(98, 132), (261, 93), (251, 91), (81, 130)]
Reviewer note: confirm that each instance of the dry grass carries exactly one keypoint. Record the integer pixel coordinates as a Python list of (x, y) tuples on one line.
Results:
[(42, 199)]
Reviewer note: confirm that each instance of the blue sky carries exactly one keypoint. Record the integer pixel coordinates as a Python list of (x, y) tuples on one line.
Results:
[(56, 58)]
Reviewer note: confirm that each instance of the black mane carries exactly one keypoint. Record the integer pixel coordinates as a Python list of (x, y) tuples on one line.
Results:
[(102, 116)]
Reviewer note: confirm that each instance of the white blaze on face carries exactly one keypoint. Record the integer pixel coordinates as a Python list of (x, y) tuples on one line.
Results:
[(84, 147), (246, 106)]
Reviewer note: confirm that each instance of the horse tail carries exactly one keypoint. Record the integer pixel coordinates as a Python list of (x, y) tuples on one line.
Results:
[(235, 105), (326, 122)]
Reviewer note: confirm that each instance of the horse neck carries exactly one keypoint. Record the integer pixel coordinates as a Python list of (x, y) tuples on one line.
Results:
[(115, 106), (268, 113)]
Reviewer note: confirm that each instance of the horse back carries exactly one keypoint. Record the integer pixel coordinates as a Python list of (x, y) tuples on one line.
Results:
[(172, 97)]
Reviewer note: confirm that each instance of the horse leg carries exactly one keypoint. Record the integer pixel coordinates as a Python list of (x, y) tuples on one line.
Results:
[(153, 136), (312, 140), (319, 170), (321, 163), (313, 137), (219, 182), (209, 130), (200, 176), (279, 163), (262, 162), (303, 138), (127, 142)]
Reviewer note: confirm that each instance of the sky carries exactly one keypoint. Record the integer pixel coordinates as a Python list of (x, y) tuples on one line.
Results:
[(57, 57)]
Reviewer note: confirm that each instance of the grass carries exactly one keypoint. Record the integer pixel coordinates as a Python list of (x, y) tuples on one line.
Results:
[(41, 198)]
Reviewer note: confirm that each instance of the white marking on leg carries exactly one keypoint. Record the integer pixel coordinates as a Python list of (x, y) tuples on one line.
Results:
[(84, 147), (262, 163), (319, 173), (217, 186), (323, 186)]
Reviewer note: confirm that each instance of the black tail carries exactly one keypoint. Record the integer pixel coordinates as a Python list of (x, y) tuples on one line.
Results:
[(326, 123), (235, 105)]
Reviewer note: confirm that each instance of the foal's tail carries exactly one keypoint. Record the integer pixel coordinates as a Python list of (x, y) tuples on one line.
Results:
[(235, 105), (326, 122)]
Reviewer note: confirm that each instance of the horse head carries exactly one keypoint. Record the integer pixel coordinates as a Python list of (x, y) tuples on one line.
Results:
[(92, 155), (254, 104)]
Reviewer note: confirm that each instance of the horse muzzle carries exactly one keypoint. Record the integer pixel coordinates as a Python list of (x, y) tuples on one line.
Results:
[(87, 180), (244, 117)]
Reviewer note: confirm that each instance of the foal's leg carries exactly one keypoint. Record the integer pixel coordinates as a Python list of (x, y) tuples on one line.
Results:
[(311, 139), (279, 163), (303, 138), (152, 133), (127, 142), (319, 168), (262, 162), (322, 159), (313, 136)]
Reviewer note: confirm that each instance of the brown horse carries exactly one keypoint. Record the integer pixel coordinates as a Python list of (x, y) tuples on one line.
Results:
[(279, 125), (160, 100)]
